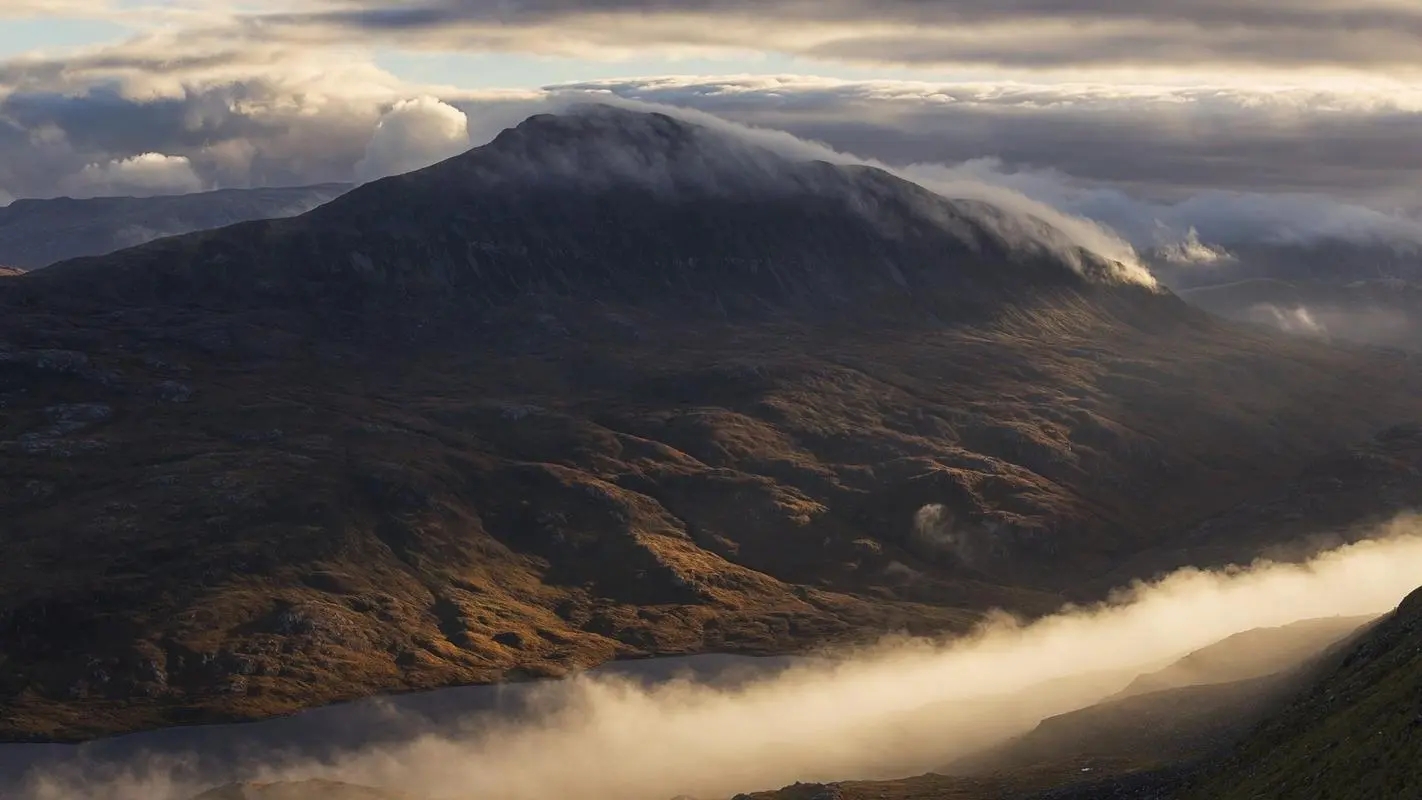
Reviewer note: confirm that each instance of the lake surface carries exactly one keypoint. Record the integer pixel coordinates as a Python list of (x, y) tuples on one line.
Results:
[(223, 753)]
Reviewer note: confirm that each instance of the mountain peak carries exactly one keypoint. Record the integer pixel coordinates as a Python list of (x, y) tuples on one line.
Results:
[(598, 147), (624, 207)]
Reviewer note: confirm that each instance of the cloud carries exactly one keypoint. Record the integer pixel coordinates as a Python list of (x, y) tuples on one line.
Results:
[(268, 118), (901, 707), (140, 175), (1151, 162), (1375, 34), (1168, 140), (413, 134), (1189, 250), (1231, 160), (1298, 320)]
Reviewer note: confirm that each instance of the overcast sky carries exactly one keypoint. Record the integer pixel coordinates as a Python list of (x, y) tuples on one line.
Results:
[(1141, 112)]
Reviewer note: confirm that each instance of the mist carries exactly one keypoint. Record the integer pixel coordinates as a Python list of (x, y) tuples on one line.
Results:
[(900, 707), (1380, 326), (1139, 209)]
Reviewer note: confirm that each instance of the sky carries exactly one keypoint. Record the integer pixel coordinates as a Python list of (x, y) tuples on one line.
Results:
[(1152, 115)]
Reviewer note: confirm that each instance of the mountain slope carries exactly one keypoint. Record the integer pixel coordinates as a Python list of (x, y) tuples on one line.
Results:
[(37, 233), (612, 386), (1356, 734), (1252, 654)]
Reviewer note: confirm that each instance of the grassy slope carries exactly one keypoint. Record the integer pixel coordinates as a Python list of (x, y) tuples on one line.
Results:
[(1356, 735)]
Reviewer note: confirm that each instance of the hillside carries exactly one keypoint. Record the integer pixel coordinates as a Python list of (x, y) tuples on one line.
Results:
[(537, 407), (1355, 734), (35, 233), (1184, 712), (1335, 498)]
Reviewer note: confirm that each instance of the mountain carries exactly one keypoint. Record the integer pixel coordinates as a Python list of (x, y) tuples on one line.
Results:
[(1248, 655), (36, 233), (1354, 734), (618, 207), (614, 385), (1333, 499), (1186, 712)]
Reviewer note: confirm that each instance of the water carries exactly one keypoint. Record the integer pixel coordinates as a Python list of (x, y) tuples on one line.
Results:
[(225, 753)]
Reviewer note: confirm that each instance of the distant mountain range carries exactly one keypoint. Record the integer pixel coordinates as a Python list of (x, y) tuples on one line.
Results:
[(37, 233), (613, 385)]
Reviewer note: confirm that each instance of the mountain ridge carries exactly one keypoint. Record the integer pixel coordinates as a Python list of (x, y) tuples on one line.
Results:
[(35, 233)]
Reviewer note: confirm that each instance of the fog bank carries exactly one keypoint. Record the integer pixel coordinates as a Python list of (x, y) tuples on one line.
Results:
[(899, 707)]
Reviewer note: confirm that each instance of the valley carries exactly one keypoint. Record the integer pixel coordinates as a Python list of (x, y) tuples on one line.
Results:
[(618, 387)]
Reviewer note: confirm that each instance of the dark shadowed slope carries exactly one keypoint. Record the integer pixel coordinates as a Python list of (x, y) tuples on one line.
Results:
[(613, 385), (1357, 733), (37, 233), (1333, 499)]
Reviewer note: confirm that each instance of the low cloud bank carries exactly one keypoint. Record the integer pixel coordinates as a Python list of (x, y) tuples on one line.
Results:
[(900, 707), (1147, 163), (1112, 168), (1205, 219), (1375, 325)]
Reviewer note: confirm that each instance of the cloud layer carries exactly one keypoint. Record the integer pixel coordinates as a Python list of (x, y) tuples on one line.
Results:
[(1371, 34), (287, 94)]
